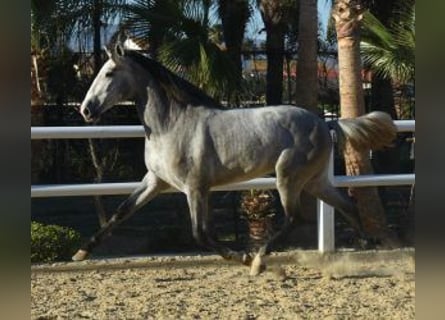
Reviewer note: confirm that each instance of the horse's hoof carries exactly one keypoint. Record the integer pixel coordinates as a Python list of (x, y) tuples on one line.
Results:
[(80, 255), (257, 266)]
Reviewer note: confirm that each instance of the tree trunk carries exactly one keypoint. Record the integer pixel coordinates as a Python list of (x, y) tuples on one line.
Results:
[(347, 15), (382, 99), (97, 24), (99, 167), (273, 13), (37, 146), (307, 74), (234, 16), (102, 163), (274, 77), (307, 80)]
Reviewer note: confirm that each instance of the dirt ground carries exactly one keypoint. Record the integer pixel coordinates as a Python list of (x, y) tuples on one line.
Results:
[(296, 285)]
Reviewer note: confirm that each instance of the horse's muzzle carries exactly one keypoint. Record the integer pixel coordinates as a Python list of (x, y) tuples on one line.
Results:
[(88, 113)]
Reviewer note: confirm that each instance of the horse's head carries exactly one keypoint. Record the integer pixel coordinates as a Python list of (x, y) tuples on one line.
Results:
[(111, 85)]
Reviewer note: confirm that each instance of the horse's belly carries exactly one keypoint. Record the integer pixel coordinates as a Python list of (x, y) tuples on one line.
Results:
[(232, 176), (243, 168)]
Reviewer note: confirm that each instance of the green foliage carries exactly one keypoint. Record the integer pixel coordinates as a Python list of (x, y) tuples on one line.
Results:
[(52, 243), (390, 51), (182, 37), (55, 22)]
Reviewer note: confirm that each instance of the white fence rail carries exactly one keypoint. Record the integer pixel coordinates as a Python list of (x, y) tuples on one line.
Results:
[(326, 239)]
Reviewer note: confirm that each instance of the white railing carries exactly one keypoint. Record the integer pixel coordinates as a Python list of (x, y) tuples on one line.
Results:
[(326, 236)]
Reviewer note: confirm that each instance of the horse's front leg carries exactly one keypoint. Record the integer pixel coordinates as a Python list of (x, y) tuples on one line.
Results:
[(149, 187), (198, 202)]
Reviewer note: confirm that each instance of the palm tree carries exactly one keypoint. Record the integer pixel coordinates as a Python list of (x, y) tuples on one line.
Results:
[(348, 15), (275, 17), (179, 34)]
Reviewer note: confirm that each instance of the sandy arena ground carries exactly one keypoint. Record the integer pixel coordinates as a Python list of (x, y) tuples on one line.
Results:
[(296, 285)]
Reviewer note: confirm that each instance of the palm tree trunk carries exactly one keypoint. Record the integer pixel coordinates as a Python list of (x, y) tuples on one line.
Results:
[(97, 24), (306, 95), (382, 99), (347, 15), (273, 13), (307, 75), (274, 77), (234, 16)]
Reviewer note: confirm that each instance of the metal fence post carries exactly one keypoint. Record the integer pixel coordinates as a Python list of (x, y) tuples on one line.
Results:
[(325, 216)]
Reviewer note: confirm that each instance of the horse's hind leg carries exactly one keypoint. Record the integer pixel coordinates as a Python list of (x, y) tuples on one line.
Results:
[(147, 190), (323, 189)]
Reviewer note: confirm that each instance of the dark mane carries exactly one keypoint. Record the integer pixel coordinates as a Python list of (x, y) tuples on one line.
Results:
[(176, 87)]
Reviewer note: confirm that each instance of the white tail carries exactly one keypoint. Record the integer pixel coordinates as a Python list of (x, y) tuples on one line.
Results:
[(374, 130)]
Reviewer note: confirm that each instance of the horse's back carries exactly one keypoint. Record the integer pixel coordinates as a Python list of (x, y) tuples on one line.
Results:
[(249, 142), (274, 127)]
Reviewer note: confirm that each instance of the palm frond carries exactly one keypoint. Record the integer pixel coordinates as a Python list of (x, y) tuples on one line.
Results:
[(390, 51), (181, 32)]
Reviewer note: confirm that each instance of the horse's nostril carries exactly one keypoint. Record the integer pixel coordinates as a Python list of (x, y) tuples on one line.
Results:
[(86, 112)]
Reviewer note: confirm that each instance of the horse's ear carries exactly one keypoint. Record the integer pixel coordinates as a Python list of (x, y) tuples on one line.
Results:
[(118, 52)]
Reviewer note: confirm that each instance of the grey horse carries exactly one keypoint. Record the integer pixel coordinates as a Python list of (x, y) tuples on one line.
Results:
[(192, 143)]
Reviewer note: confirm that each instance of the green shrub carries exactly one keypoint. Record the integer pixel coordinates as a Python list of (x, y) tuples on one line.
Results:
[(52, 243)]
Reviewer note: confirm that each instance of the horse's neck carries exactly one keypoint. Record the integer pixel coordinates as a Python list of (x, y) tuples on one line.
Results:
[(156, 111)]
